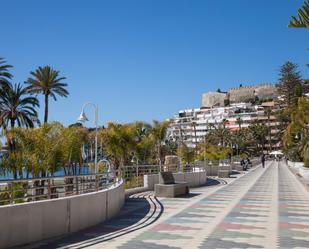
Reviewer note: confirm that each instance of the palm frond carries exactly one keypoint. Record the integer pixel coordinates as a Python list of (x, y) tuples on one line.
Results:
[(302, 19)]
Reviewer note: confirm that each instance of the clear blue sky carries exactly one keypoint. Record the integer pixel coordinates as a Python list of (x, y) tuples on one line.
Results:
[(146, 59)]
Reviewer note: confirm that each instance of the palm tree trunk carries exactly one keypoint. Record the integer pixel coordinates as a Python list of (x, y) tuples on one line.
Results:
[(269, 132), (46, 109), (195, 135), (12, 123)]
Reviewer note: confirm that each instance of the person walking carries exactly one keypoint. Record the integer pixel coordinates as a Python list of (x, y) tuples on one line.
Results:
[(243, 164), (249, 163), (263, 160)]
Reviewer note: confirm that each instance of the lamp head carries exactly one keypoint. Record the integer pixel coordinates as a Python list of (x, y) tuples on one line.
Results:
[(82, 117)]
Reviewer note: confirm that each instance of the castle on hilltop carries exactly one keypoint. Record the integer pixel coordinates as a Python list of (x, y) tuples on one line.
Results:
[(264, 91)]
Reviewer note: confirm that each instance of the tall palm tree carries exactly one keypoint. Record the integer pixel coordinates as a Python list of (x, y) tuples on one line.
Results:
[(5, 75), (47, 81), (218, 134), (268, 112), (259, 134), (194, 129), (158, 133), (17, 106)]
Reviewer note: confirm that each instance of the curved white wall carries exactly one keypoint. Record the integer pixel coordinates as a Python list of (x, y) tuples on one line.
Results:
[(28, 222)]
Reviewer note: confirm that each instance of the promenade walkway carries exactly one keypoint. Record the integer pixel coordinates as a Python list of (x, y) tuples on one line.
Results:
[(264, 208)]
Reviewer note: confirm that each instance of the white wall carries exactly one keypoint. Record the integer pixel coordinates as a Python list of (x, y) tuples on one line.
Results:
[(28, 222)]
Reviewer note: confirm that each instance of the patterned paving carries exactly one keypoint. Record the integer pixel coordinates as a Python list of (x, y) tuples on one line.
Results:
[(265, 208), (293, 212), (248, 223)]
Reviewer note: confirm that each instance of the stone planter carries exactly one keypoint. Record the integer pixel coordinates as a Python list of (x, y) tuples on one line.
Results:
[(212, 170), (235, 165), (295, 165), (224, 173), (304, 172), (298, 165)]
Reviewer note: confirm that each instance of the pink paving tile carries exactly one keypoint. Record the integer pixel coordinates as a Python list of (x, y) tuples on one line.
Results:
[(251, 206), (292, 206), (225, 226), (286, 225), (205, 206)]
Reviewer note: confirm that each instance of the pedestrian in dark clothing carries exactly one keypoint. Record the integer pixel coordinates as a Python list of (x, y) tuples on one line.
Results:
[(243, 164), (263, 160), (230, 158), (249, 162)]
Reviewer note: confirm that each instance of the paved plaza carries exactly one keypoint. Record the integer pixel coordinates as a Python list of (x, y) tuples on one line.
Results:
[(263, 208)]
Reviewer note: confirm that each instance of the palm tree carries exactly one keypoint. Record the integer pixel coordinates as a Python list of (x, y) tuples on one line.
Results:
[(268, 113), (118, 142), (218, 134), (239, 121), (259, 134), (302, 19), (194, 129), (47, 81), (16, 106), (158, 133), (5, 75)]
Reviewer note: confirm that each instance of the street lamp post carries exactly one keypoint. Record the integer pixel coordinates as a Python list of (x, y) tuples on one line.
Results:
[(83, 118)]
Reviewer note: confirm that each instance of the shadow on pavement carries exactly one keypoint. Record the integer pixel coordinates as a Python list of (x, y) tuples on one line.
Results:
[(190, 195), (136, 214), (212, 182), (234, 172)]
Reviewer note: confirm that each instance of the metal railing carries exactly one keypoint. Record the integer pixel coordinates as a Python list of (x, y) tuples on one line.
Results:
[(36, 189), (134, 175)]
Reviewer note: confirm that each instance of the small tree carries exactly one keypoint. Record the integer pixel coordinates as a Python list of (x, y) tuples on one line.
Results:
[(118, 142), (186, 154), (70, 153)]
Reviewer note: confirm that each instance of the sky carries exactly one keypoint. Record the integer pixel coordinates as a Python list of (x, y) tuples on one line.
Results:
[(147, 59)]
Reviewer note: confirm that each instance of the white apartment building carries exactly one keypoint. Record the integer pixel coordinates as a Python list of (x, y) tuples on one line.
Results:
[(191, 125)]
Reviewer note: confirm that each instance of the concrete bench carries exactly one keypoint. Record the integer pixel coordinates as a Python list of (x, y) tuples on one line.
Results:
[(167, 186)]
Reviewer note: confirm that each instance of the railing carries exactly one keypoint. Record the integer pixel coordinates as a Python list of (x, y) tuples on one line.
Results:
[(35, 189), (134, 175)]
